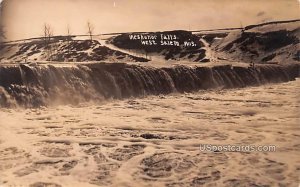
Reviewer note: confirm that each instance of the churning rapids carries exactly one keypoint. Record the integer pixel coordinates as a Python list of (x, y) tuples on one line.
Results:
[(154, 141), (44, 85)]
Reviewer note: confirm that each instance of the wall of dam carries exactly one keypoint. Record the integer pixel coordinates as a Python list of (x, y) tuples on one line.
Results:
[(46, 85)]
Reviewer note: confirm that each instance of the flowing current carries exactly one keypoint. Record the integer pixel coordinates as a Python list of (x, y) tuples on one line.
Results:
[(44, 85)]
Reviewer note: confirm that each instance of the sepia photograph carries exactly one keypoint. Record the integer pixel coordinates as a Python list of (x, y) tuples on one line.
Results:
[(149, 93)]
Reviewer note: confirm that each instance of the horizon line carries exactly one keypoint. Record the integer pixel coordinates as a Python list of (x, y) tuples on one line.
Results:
[(114, 33)]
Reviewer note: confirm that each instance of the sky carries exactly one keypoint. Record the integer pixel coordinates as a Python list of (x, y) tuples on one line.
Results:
[(25, 18)]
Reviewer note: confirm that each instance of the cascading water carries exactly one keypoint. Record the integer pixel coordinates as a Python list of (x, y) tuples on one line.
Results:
[(34, 86)]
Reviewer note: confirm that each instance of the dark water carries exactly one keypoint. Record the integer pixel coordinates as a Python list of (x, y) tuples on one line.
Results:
[(34, 86)]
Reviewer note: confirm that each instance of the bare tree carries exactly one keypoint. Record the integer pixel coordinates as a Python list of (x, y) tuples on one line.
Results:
[(48, 34), (90, 30), (2, 37), (69, 39), (2, 32), (69, 32)]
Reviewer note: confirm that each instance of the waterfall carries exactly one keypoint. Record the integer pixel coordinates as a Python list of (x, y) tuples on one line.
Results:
[(44, 85)]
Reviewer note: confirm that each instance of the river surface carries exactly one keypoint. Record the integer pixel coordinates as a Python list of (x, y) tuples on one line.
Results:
[(155, 140)]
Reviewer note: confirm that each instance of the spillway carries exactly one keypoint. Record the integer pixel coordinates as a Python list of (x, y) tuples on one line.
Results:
[(45, 85)]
